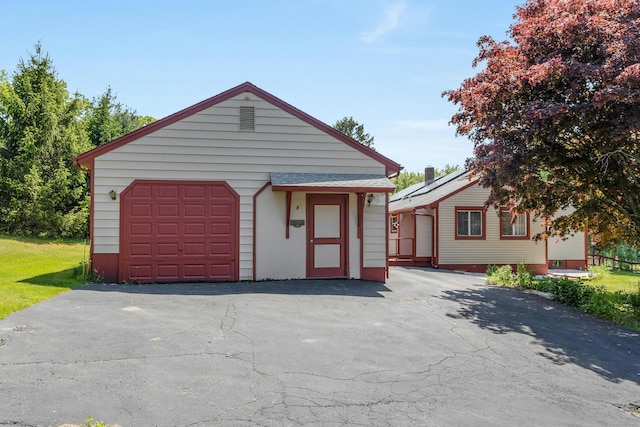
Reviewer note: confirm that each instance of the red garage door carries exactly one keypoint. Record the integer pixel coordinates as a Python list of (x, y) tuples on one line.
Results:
[(179, 231)]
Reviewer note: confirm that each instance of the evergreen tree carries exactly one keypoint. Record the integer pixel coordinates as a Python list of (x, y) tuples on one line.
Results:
[(408, 178), (41, 191), (108, 119), (102, 125), (354, 130)]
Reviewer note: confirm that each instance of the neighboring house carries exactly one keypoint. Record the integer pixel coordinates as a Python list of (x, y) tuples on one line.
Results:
[(444, 223), (241, 186)]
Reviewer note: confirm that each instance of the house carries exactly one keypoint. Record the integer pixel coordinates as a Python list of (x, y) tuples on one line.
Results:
[(444, 223), (241, 186)]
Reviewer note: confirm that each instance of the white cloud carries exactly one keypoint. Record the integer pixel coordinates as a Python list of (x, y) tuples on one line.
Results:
[(391, 21)]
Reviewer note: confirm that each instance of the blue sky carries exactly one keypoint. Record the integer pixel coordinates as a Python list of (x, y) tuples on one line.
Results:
[(383, 62)]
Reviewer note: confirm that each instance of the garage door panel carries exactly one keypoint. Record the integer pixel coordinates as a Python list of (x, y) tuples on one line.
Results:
[(194, 249), (220, 230), (196, 229), (168, 210), (160, 241), (194, 192), (196, 211), (221, 249), (140, 229), (220, 271), (140, 210), (218, 192), (167, 229), (167, 249), (141, 249), (221, 211), (142, 191), (168, 271), (140, 272), (195, 271), (168, 191)]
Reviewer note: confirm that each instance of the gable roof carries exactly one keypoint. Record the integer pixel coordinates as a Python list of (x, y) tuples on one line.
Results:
[(426, 195), (86, 159)]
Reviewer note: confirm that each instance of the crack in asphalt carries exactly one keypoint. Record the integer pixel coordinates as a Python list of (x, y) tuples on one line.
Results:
[(119, 359), (261, 373), (228, 321), (455, 362), (279, 409), (16, 424)]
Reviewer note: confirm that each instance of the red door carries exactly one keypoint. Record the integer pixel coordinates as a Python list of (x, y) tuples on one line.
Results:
[(174, 231), (327, 231)]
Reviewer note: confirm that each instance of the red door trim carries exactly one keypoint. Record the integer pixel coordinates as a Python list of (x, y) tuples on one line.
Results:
[(328, 199)]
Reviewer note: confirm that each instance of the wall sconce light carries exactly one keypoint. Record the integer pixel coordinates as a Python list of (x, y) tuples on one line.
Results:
[(370, 198), (113, 194)]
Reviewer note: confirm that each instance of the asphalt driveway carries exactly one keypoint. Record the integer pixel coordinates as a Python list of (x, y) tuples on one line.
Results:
[(427, 348)]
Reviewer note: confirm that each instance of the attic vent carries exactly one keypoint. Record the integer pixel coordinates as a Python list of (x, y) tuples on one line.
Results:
[(247, 118)]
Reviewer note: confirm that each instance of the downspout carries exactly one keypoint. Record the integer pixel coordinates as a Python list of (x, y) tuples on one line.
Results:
[(386, 233), (415, 235), (436, 248)]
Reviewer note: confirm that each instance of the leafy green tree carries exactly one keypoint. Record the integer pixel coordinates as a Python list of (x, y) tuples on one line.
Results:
[(129, 119), (354, 130), (41, 191), (408, 178), (108, 119), (447, 169), (555, 115), (102, 125)]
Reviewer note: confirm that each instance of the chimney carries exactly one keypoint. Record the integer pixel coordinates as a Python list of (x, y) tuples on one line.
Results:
[(429, 175)]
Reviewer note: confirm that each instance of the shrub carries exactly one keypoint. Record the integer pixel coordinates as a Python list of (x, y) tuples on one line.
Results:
[(525, 277), (598, 271), (599, 303), (619, 307), (572, 292), (633, 300), (501, 276), (491, 269), (546, 284)]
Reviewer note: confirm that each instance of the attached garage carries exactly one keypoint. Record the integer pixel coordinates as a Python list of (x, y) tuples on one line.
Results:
[(241, 186), (179, 231)]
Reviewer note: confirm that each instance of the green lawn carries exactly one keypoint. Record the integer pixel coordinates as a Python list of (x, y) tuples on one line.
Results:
[(617, 280), (33, 270)]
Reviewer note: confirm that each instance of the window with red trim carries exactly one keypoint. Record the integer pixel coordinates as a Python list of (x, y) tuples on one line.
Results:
[(470, 223), (393, 224), (514, 227)]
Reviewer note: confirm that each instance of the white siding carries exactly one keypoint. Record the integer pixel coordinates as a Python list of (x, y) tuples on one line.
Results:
[(567, 248), (424, 236), (491, 250), (393, 244), (209, 146), (354, 242), (288, 261), (571, 247), (375, 236)]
